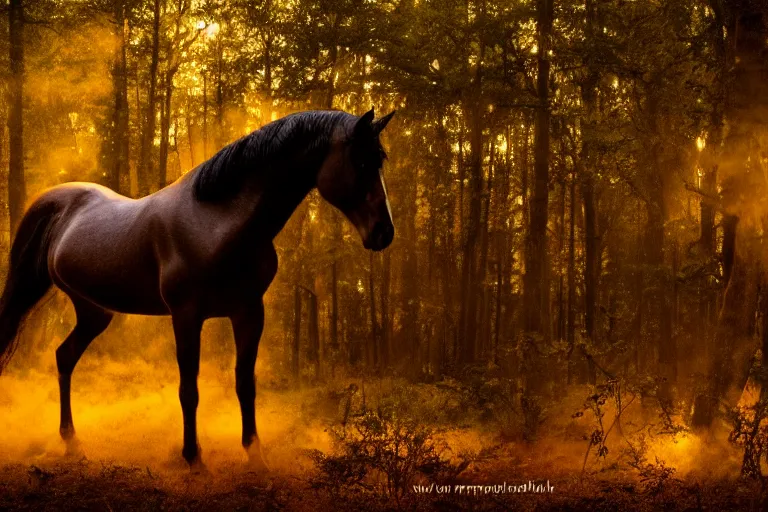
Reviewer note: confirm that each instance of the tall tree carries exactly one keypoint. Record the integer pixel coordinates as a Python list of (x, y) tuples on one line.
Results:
[(117, 143), (16, 180), (147, 167), (536, 267)]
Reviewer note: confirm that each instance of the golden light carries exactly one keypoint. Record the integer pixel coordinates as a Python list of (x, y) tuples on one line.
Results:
[(700, 143), (502, 143), (200, 25), (212, 30)]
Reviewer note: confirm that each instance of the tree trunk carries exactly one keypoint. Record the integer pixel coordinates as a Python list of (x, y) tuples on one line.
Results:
[(722, 38), (16, 183), (314, 334), (571, 324), (165, 125), (334, 320), (590, 261), (5, 240), (146, 167), (483, 327), (221, 136), (561, 322), (374, 328), (655, 244), (334, 57), (587, 158), (408, 339), (296, 333), (536, 280), (266, 111), (469, 271), (720, 373), (385, 322), (118, 133), (205, 114), (753, 448)]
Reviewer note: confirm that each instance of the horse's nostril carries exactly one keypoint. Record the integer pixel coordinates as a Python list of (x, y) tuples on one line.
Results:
[(389, 234)]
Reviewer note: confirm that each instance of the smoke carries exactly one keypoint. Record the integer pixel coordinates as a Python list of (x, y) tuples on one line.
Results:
[(125, 399)]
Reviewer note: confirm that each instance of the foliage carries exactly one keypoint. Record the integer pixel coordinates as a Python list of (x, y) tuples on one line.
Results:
[(383, 454), (655, 476)]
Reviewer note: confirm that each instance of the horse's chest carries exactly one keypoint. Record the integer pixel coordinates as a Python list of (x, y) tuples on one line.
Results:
[(247, 271), (223, 284)]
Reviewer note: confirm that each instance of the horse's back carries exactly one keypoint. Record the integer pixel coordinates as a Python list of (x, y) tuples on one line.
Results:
[(90, 212), (75, 194)]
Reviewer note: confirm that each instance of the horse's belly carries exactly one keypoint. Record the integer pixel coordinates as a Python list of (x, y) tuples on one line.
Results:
[(119, 299)]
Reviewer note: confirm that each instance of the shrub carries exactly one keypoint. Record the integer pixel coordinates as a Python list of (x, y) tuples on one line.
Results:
[(384, 454)]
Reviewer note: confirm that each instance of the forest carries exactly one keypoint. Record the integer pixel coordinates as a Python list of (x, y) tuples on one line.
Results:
[(575, 294)]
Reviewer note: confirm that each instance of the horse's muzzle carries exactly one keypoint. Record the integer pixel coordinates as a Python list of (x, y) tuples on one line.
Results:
[(380, 237)]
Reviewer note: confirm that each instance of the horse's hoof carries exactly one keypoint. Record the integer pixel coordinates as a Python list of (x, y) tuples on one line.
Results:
[(197, 467), (74, 449), (256, 463), (67, 433), (191, 454)]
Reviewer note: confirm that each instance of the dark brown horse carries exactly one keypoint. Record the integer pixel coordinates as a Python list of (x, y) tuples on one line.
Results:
[(197, 249)]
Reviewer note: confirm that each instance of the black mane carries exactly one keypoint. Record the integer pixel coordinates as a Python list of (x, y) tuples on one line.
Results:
[(220, 177)]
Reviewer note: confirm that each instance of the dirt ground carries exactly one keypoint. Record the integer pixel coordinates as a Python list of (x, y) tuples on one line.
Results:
[(96, 485), (128, 423)]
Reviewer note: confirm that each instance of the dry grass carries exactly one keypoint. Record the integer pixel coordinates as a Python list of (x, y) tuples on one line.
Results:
[(89, 485)]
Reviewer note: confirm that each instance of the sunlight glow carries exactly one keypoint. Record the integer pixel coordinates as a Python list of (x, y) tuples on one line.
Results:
[(502, 143), (212, 30)]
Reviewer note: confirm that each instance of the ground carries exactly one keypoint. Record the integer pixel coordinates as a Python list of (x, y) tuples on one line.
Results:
[(97, 485), (129, 426)]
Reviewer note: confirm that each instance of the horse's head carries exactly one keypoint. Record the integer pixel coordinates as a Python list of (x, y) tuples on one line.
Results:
[(350, 179)]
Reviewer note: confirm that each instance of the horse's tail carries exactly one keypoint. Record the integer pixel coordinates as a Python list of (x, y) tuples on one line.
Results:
[(28, 278)]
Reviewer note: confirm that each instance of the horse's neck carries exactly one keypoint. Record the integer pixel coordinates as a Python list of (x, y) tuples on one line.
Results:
[(271, 199)]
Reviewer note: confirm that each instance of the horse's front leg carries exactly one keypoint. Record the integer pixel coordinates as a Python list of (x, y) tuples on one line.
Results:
[(247, 326), (186, 328)]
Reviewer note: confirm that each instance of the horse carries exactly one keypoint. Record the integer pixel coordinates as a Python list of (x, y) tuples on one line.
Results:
[(200, 248)]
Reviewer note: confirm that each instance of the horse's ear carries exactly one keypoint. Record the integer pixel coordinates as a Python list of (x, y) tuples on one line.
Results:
[(380, 124), (363, 125)]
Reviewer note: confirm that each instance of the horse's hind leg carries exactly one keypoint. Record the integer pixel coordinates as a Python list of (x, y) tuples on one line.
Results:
[(91, 321)]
